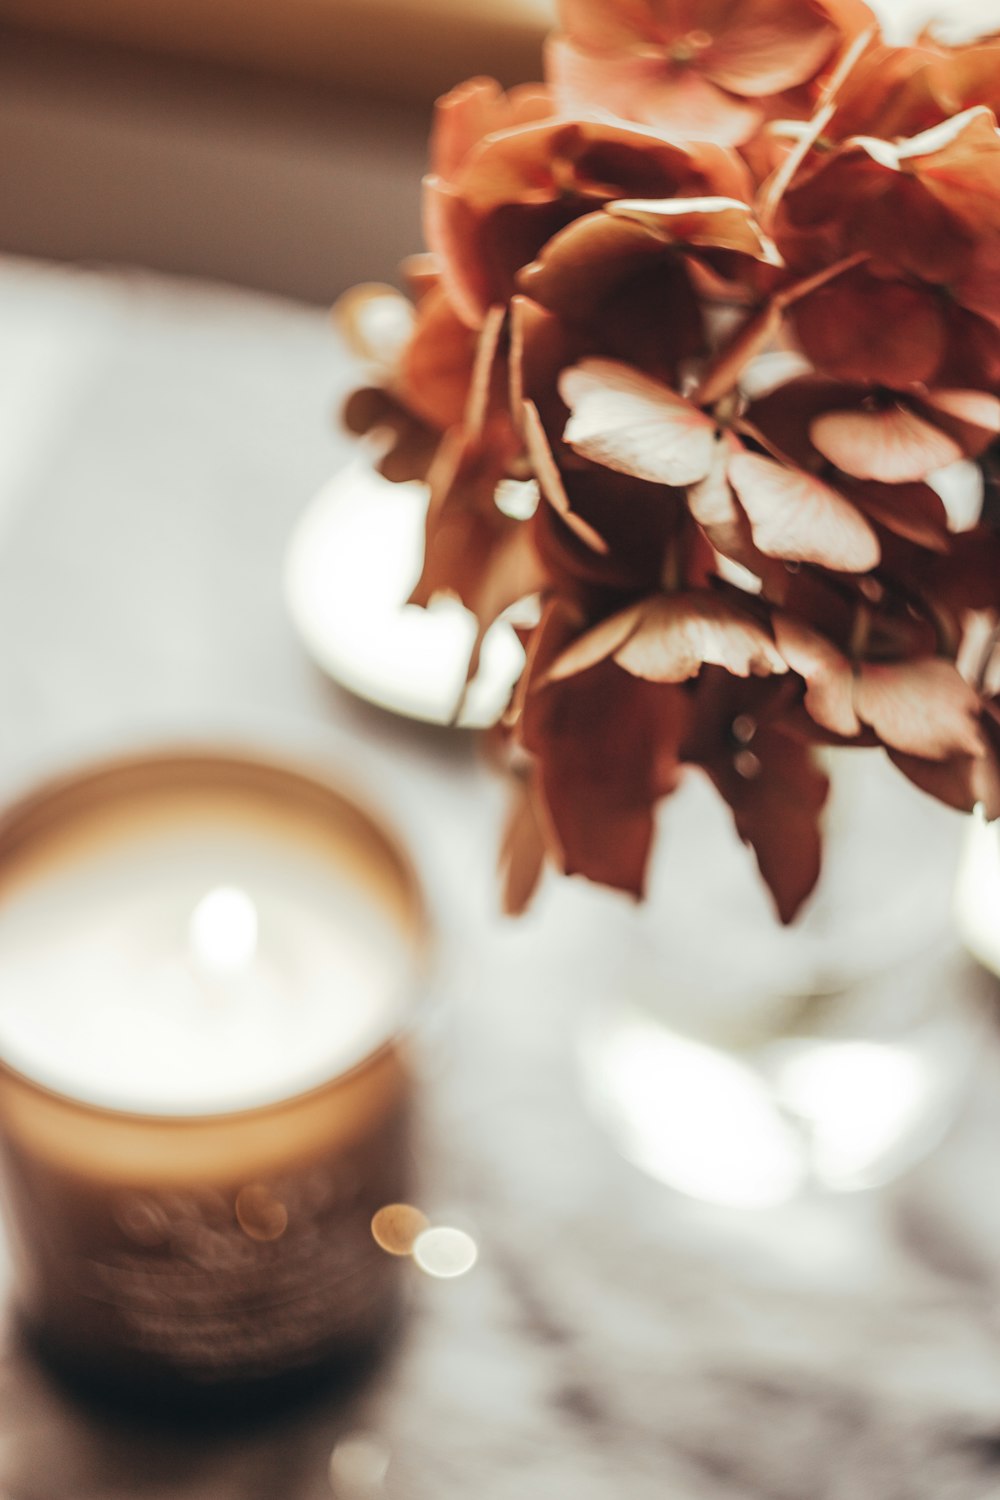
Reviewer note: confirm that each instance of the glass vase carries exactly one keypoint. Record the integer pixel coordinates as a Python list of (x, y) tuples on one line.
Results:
[(745, 1062)]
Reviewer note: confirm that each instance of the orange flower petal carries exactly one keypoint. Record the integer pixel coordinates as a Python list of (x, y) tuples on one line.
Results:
[(959, 162), (921, 707), (777, 813), (625, 421), (893, 445), (582, 264), (522, 853), (679, 634), (714, 223), (550, 480), (596, 645), (475, 109), (859, 327), (972, 418), (797, 517), (827, 672), (913, 511), (769, 47)]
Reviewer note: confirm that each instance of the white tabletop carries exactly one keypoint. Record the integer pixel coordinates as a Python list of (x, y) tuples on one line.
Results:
[(157, 443)]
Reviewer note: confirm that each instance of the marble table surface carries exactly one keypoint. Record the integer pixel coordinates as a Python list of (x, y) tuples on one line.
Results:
[(158, 441)]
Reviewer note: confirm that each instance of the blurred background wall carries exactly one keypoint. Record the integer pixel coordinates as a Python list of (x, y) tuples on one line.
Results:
[(277, 144)]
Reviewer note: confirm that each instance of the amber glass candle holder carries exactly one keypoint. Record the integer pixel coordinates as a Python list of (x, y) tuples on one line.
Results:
[(208, 967)]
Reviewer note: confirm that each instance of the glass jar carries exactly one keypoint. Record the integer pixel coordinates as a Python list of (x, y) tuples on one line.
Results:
[(743, 1061)]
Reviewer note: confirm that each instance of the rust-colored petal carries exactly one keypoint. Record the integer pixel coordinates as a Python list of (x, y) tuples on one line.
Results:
[(778, 815), (679, 634), (913, 511), (547, 473), (797, 517), (972, 418), (410, 444), (522, 852), (476, 109), (473, 551), (986, 773), (450, 229), (957, 781), (487, 383), (680, 103), (959, 163), (860, 327), (890, 444), (922, 707), (622, 290), (890, 94), (769, 46), (606, 746), (596, 24), (597, 644), (586, 262), (827, 674), (777, 793), (635, 425), (541, 347), (437, 364), (713, 223), (977, 287)]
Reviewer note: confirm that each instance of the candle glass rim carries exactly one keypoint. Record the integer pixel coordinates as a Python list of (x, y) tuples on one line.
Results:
[(41, 797)]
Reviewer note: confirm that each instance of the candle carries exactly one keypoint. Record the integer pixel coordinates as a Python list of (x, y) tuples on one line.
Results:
[(206, 964)]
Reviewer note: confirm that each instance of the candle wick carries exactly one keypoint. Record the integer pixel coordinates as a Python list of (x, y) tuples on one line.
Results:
[(223, 933)]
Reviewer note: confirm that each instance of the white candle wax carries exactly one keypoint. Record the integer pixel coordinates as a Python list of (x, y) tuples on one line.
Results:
[(116, 987)]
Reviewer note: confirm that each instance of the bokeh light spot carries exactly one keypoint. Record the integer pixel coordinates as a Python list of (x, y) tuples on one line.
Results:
[(260, 1215), (358, 1466), (397, 1227), (445, 1253)]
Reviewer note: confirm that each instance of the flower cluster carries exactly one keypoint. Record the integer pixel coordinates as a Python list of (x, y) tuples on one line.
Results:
[(706, 344)]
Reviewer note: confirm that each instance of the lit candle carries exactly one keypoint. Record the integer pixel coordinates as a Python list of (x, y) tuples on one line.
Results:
[(206, 964)]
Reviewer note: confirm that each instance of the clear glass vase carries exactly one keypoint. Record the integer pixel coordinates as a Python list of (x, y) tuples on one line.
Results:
[(745, 1062)]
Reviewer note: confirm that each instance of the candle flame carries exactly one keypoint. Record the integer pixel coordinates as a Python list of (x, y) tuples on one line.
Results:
[(223, 931)]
